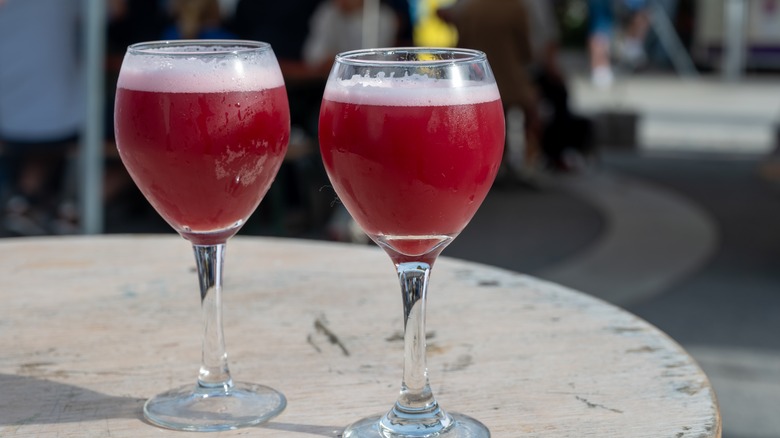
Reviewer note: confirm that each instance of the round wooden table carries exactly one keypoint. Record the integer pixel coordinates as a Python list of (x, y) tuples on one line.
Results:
[(92, 326)]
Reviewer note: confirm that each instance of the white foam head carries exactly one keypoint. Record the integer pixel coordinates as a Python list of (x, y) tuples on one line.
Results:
[(414, 90), (201, 74)]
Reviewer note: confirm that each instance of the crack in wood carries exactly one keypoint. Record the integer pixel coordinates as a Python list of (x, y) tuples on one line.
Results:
[(310, 341), (320, 326), (592, 405)]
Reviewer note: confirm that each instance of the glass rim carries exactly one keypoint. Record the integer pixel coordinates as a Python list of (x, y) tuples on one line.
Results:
[(223, 47), (356, 57)]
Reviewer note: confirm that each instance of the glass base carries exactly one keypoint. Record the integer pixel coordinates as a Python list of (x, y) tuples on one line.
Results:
[(201, 409), (461, 426)]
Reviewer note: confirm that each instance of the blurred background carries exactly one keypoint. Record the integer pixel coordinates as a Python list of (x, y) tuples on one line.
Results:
[(643, 162)]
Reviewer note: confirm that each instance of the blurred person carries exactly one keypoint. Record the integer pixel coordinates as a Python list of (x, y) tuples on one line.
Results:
[(337, 26), (41, 109), (566, 138), (500, 28), (545, 37), (629, 43), (134, 21), (196, 19), (636, 24), (601, 28), (128, 22), (285, 25), (405, 28)]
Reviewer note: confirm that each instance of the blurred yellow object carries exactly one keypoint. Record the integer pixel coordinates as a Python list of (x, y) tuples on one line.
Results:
[(430, 30)]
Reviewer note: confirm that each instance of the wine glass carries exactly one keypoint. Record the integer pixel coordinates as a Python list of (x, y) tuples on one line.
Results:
[(412, 139), (202, 127)]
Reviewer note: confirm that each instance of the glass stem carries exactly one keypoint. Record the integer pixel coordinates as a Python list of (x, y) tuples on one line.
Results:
[(416, 407), (214, 372)]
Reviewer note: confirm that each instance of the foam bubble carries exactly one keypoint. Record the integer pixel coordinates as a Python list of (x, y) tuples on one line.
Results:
[(414, 90), (179, 74)]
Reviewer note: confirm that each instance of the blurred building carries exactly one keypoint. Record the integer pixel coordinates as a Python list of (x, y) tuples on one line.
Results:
[(760, 24)]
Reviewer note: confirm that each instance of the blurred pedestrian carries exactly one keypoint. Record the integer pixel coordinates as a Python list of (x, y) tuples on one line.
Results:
[(566, 138), (41, 107), (601, 29), (618, 24), (635, 25), (337, 26), (129, 22), (285, 25), (405, 29), (196, 19), (500, 28)]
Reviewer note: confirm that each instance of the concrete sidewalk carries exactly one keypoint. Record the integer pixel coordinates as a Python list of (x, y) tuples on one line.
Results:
[(693, 115)]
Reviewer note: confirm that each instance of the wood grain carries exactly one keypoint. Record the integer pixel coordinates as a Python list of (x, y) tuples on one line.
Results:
[(92, 326)]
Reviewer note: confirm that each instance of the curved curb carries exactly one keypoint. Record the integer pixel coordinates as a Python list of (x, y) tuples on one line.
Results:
[(653, 238)]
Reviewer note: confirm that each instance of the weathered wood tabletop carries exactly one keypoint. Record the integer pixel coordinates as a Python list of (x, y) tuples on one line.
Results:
[(92, 326)]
